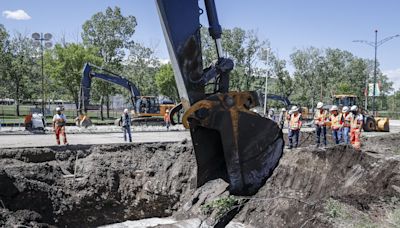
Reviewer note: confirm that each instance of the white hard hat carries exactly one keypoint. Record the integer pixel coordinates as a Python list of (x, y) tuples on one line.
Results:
[(167, 110), (334, 108), (354, 108), (283, 110), (294, 109), (345, 109), (320, 105), (126, 110), (58, 109)]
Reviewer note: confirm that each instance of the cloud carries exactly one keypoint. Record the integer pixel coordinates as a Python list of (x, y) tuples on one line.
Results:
[(16, 15), (394, 76)]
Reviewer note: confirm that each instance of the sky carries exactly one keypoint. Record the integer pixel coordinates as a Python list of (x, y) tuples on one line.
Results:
[(288, 25)]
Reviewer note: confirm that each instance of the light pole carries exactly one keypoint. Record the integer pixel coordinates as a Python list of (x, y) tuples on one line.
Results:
[(375, 45), (266, 84), (39, 39)]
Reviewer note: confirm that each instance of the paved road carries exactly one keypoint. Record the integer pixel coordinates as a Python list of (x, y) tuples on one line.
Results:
[(105, 138)]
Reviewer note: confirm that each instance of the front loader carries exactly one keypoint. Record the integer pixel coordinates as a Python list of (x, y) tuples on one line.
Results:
[(230, 141)]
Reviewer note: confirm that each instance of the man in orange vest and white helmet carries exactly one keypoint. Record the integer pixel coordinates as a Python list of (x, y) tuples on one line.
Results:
[(336, 124), (294, 127), (167, 120), (355, 128), (320, 118), (347, 117)]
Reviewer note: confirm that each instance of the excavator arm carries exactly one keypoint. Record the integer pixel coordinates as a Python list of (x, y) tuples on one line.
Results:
[(230, 141), (89, 72)]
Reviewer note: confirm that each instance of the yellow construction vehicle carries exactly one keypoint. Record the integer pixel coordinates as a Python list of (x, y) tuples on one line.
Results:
[(371, 123), (143, 106)]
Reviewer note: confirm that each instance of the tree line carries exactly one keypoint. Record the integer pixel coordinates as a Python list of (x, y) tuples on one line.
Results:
[(310, 75)]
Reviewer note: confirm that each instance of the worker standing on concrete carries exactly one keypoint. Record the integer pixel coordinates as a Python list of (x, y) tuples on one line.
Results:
[(347, 117), (294, 127), (59, 122), (271, 114), (336, 125), (282, 118), (355, 127), (126, 125), (320, 123), (167, 119)]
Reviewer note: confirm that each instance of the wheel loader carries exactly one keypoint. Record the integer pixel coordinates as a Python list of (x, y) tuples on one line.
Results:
[(371, 123)]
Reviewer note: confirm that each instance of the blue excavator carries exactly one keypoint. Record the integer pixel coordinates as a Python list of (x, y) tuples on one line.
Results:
[(144, 107), (230, 141)]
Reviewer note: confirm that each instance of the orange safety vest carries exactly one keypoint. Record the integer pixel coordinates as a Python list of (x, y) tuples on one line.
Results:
[(295, 122), (347, 118), (319, 117), (356, 123), (166, 117), (336, 121)]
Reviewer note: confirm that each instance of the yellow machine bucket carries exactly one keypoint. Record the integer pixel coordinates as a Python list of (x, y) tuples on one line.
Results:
[(382, 124), (83, 121)]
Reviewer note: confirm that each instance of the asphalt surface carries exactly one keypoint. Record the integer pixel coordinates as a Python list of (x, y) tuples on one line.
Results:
[(36, 140), (7, 141)]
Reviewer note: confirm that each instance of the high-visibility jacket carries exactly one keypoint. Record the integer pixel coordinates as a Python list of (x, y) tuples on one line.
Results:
[(347, 118), (166, 117), (335, 120), (295, 122), (356, 122), (320, 116)]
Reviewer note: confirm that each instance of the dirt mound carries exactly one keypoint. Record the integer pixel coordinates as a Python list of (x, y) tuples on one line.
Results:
[(112, 184), (307, 182)]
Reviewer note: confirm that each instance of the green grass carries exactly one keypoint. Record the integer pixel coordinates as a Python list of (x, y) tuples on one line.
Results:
[(394, 218), (334, 209), (221, 206)]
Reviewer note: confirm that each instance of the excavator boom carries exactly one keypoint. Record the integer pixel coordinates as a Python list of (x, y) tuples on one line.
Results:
[(230, 141)]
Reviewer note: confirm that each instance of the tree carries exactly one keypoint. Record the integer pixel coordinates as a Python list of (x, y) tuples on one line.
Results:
[(307, 63), (141, 67), (3, 46), (64, 65), (111, 33), (19, 73), (165, 82)]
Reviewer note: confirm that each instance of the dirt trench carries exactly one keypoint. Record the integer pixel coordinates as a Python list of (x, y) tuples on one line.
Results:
[(336, 187), (112, 184)]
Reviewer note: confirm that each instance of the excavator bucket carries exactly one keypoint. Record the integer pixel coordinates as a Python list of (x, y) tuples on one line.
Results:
[(233, 143), (230, 141)]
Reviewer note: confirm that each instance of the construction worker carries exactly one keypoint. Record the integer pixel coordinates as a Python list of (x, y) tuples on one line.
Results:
[(59, 122), (294, 127), (126, 124), (271, 114), (320, 118), (167, 120), (355, 127), (282, 118), (347, 117), (336, 124)]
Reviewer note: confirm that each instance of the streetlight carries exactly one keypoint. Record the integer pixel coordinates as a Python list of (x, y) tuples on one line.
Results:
[(266, 83), (39, 39), (375, 45)]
